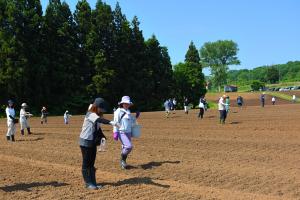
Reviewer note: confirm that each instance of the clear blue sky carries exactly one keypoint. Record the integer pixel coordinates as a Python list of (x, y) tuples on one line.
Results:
[(266, 31)]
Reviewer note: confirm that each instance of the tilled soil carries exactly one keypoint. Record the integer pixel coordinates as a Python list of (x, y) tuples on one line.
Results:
[(255, 155)]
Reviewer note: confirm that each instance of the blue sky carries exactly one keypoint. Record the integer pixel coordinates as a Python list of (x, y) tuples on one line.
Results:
[(266, 31)]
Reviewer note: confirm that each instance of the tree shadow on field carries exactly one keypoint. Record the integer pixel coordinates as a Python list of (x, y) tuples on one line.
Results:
[(151, 165), (136, 181), (27, 186), (30, 139)]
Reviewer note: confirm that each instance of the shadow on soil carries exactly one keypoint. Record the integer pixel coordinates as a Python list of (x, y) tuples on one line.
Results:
[(27, 186), (137, 181), (30, 139), (234, 122), (151, 165)]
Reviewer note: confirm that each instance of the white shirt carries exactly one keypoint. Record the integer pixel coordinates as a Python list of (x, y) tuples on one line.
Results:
[(23, 115), (294, 97), (88, 126), (11, 112), (273, 99), (221, 104), (126, 122)]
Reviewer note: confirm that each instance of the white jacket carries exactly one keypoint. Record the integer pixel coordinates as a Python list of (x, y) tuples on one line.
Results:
[(11, 112), (126, 122)]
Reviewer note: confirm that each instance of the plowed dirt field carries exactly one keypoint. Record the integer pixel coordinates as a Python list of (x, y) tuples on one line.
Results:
[(255, 155)]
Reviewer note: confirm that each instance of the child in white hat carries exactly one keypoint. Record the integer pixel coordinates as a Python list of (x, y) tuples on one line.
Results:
[(24, 115)]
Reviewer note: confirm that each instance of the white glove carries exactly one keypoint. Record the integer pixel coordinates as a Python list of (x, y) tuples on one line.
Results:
[(113, 123)]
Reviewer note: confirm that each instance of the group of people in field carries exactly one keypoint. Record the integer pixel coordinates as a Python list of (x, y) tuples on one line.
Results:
[(12, 120)]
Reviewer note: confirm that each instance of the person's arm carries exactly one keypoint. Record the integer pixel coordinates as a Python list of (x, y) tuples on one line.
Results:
[(8, 114)]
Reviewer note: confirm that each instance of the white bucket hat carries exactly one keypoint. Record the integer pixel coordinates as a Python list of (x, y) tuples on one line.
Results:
[(125, 99)]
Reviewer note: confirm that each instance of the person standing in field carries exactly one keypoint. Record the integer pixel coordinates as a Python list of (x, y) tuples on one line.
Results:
[(44, 115), (294, 98), (239, 101), (11, 121), (174, 105), (123, 117), (186, 105), (273, 100), (262, 100), (24, 115), (201, 107), (67, 117), (167, 107), (222, 109), (227, 102), (90, 137)]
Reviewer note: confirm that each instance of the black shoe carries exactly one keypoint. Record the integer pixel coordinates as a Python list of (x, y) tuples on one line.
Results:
[(93, 178), (12, 138), (87, 180), (22, 132), (7, 138), (28, 130)]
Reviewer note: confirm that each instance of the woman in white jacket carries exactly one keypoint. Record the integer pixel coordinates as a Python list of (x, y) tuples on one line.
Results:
[(123, 117)]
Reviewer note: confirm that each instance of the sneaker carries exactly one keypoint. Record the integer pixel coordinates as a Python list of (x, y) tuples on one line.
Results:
[(123, 164), (91, 187)]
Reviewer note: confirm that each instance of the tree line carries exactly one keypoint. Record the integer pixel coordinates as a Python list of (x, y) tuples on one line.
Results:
[(62, 60), (289, 72)]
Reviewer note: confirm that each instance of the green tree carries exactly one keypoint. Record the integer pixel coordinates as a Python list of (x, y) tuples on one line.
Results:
[(257, 85), (192, 55), (218, 55), (272, 75)]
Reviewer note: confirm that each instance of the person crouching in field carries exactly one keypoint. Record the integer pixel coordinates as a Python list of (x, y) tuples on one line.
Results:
[(90, 137), (11, 121), (24, 115), (222, 109), (44, 115), (123, 117)]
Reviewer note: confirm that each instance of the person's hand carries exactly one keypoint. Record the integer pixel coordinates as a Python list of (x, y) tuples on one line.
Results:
[(113, 123), (137, 114)]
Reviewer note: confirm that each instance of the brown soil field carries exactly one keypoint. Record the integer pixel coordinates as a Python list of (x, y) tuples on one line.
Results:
[(250, 99), (255, 155)]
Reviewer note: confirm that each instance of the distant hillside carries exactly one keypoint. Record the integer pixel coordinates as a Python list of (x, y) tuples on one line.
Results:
[(289, 72)]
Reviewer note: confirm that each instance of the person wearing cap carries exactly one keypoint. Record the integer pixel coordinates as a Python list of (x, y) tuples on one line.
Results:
[(11, 121), (123, 116), (44, 115), (90, 137), (67, 117), (24, 115), (273, 100), (222, 109)]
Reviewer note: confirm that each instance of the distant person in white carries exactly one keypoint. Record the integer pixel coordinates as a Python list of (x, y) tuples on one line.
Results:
[(11, 121), (67, 117), (273, 100), (24, 115)]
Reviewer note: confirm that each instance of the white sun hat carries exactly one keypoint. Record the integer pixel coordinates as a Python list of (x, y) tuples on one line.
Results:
[(24, 105), (126, 99)]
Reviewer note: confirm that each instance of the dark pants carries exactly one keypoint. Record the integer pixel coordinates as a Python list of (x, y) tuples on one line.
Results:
[(201, 112), (263, 103), (223, 115), (88, 157)]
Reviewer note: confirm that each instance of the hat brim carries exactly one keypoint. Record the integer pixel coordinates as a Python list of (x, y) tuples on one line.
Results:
[(122, 102)]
